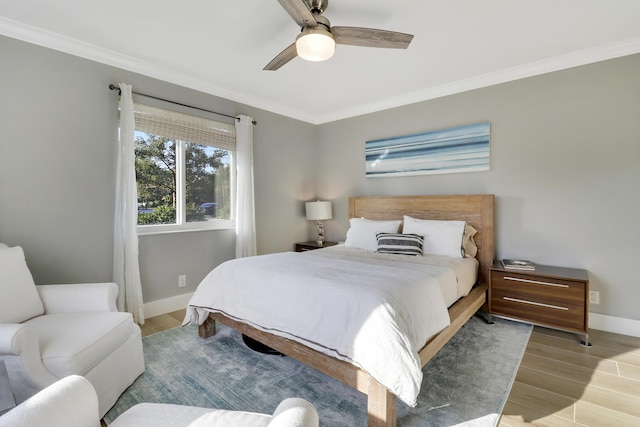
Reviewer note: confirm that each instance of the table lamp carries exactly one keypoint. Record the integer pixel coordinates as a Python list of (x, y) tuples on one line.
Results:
[(319, 211)]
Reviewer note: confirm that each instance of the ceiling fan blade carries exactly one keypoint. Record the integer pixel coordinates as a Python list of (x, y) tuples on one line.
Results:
[(282, 58), (371, 37), (299, 11)]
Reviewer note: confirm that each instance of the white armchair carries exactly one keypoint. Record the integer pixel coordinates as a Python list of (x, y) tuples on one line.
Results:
[(51, 331), (71, 402)]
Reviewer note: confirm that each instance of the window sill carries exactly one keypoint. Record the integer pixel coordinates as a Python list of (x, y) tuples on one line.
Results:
[(221, 224)]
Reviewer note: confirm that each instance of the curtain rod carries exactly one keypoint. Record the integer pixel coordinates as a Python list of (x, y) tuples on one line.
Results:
[(114, 87)]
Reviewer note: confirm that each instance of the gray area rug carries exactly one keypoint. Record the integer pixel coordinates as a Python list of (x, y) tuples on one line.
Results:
[(466, 383)]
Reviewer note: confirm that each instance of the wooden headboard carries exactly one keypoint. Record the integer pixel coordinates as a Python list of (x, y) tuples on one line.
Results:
[(476, 209)]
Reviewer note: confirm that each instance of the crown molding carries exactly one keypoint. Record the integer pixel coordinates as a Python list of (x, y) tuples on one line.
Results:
[(558, 63), (71, 46), (55, 41)]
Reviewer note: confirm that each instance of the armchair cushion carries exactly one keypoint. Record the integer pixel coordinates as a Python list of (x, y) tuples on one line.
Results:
[(72, 402), (20, 300), (292, 412), (165, 414), (72, 343)]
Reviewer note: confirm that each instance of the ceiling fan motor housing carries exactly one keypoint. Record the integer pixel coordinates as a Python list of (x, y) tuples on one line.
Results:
[(322, 22), (317, 6)]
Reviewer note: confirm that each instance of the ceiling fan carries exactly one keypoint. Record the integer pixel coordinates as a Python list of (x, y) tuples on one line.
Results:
[(317, 39)]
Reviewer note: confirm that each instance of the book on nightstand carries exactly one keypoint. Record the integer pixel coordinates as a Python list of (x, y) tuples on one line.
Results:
[(518, 264)]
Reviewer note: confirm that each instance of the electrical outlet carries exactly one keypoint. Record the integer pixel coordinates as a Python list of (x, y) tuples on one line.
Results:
[(594, 297), (182, 280)]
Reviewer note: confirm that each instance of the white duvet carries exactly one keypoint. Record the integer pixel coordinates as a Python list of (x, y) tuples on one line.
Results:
[(373, 311)]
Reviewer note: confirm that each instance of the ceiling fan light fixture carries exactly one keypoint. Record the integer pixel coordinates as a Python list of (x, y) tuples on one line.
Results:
[(315, 44)]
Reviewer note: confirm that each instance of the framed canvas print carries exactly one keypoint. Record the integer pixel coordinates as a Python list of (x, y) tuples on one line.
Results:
[(459, 149)]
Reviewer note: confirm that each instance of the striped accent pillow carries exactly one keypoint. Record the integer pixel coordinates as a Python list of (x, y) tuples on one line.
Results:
[(403, 244)]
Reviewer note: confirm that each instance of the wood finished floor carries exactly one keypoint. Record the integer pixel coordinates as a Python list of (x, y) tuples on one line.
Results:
[(559, 382), (163, 322)]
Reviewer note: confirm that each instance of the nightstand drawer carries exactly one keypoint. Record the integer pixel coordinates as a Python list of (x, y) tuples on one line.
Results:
[(311, 246), (519, 285), (549, 296), (537, 310)]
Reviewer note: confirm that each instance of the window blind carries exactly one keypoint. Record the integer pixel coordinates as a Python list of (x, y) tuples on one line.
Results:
[(185, 127)]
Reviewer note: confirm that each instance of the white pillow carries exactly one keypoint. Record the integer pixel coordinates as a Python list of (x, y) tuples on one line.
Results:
[(440, 237), (362, 232), (20, 300)]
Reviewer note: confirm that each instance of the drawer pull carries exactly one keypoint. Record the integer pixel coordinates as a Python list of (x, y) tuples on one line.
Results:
[(537, 282), (535, 303)]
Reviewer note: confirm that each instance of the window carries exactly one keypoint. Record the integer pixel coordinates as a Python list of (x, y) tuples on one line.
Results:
[(184, 171)]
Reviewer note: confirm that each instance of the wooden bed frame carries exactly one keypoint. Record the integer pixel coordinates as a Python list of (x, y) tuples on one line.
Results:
[(477, 210)]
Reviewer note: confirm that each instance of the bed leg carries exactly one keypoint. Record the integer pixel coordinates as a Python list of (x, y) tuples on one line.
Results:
[(207, 329), (381, 405)]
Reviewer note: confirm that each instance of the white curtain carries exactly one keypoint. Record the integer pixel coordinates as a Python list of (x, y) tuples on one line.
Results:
[(126, 271), (245, 209)]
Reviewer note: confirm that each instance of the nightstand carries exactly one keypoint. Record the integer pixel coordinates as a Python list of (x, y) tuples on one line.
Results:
[(555, 297), (309, 246)]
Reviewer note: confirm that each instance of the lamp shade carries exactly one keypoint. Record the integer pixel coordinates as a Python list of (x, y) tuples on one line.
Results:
[(318, 210), (315, 44)]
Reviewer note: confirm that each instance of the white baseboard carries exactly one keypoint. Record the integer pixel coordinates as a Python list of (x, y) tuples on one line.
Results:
[(167, 305), (618, 325), (598, 321)]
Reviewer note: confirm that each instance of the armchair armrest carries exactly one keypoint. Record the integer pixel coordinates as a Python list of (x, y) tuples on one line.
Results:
[(70, 402), (78, 298), (295, 412), (21, 340), (9, 338)]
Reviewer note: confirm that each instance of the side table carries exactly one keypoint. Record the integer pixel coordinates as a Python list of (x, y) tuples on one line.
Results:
[(309, 246), (555, 297)]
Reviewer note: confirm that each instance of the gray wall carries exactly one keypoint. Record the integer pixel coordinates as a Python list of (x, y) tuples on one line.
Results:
[(565, 169), (565, 165), (58, 133)]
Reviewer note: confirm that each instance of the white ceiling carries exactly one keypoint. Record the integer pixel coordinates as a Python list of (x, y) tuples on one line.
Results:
[(220, 47)]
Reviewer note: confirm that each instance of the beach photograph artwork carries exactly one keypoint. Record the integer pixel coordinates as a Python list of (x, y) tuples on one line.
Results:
[(458, 149)]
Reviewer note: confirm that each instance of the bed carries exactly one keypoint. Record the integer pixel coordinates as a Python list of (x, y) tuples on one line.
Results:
[(352, 365)]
